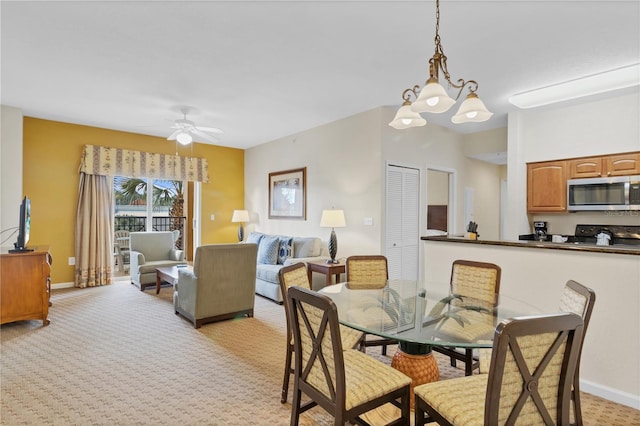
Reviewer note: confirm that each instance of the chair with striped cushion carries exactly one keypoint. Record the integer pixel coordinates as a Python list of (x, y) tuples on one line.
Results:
[(365, 272), (345, 383), (478, 284), (296, 275), (533, 363)]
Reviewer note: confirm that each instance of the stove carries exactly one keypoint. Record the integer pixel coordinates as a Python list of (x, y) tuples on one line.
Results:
[(620, 234)]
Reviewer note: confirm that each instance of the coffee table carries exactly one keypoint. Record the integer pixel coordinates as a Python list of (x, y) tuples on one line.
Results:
[(167, 274)]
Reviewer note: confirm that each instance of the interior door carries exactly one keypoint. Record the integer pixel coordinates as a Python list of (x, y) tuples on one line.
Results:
[(402, 222)]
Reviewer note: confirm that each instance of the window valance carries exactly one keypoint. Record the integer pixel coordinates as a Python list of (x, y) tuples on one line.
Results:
[(101, 160)]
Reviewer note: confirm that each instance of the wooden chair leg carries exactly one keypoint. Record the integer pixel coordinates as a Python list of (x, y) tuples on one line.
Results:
[(287, 375)]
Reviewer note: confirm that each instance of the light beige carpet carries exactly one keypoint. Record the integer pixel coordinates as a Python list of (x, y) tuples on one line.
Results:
[(116, 356)]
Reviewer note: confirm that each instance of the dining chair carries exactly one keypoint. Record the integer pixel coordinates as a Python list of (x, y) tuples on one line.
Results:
[(345, 383), (367, 272), (296, 275), (533, 363), (123, 247), (578, 299), (478, 284)]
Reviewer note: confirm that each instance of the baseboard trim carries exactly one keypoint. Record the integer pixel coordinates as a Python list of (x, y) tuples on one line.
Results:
[(125, 279), (61, 285), (615, 395)]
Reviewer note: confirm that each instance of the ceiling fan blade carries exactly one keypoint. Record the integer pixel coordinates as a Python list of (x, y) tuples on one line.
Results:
[(210, 129), (204, 135), (173, 135)]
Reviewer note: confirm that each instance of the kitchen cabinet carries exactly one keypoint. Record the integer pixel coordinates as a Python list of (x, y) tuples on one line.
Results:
[(547, 186), (604, 166)]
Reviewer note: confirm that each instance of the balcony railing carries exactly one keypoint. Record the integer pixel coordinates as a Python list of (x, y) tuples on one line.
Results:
[(158, 223)]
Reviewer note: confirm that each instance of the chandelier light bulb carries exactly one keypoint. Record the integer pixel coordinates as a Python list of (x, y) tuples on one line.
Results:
[(432, 98), (406, 118), (472, 110)]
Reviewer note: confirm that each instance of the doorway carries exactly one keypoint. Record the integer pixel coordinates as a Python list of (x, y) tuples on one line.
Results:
[(441, 201)]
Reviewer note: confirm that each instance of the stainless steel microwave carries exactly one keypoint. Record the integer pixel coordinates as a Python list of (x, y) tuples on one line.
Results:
[(612, 193)]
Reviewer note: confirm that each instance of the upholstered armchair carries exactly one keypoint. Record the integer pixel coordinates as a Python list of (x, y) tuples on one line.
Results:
[(221, 285), (148, 251)]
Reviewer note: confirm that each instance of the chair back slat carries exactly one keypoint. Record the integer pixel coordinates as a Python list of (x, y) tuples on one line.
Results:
[(368, 271), (532, 366), (318, 348), (479, 281), (292, 275)]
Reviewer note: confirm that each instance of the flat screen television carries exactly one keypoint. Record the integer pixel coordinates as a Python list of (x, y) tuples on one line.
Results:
[(23, 227)]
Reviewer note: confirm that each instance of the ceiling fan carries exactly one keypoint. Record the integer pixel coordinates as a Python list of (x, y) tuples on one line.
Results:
[(187, 129)]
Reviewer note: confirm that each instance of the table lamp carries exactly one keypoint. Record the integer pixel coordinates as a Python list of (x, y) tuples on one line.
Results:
[(240, 216), (333, 219)]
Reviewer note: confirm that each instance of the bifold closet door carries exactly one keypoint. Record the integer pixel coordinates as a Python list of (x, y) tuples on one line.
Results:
[(402, 221)]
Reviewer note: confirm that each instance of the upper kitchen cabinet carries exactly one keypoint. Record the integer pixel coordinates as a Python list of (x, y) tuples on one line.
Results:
[(604, 166), (547, 186)]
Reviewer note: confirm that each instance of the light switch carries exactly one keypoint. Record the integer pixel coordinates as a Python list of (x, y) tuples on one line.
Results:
[(368, 221), (213, 216)]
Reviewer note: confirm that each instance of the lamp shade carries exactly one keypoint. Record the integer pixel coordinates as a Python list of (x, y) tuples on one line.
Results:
[(406, 118), (240, 216), (432, 98), (184, 138), (333, 219), (472, 110)]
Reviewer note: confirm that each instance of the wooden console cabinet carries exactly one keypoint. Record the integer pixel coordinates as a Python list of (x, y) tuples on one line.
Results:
[(25, 285)]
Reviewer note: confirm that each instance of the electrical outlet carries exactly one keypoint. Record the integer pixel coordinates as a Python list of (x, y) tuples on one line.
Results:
[(368, 221), (72, 261)]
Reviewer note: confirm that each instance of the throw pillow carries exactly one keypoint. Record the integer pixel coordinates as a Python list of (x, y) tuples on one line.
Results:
[(307, 247), (268, 250), (255, 237), (286, 249)]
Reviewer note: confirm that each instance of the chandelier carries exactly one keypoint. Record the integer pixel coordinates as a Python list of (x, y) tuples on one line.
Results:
[(434, 98)]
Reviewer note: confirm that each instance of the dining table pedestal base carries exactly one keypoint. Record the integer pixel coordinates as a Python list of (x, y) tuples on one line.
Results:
[(421, 368)]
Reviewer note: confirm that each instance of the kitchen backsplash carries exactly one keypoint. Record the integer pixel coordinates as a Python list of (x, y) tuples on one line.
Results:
[(565, 223)]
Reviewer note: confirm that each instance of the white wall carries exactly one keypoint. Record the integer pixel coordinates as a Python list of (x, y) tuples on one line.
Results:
[(343, 164), (346, 162), (599, 127), (10, 169)]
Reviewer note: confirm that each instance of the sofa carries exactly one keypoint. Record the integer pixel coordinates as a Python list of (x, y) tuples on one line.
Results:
[(148, 251), (276, 251), (220, 286)]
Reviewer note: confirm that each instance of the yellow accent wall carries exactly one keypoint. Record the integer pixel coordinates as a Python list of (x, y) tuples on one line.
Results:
[(51, 157)]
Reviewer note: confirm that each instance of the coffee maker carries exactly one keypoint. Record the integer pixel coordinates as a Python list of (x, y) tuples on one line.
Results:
[(540, 230)]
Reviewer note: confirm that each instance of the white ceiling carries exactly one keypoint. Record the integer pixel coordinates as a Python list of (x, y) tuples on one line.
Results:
[(261, 70)]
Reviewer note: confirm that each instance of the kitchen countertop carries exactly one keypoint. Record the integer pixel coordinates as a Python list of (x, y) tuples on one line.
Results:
[(614, 249)]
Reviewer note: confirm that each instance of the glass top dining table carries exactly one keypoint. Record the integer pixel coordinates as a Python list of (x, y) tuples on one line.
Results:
[(419, 319)]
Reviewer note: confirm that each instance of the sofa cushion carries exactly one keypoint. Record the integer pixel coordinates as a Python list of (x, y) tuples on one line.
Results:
[(286, 249), (268, 273), (268, 250), (255, 237), (307, 247)]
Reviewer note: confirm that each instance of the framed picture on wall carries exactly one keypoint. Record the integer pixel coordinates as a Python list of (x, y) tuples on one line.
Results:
[(288, 194)]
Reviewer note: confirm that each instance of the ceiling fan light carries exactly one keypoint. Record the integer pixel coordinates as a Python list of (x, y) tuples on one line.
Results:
[(184, 138), (472, 110), (433, 98), (406, 118)]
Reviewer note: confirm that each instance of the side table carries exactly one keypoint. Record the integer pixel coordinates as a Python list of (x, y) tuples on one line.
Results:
[(328, 269)]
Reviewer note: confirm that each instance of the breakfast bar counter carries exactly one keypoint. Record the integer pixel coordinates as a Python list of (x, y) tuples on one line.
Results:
[(536, 272), (614, 249)]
